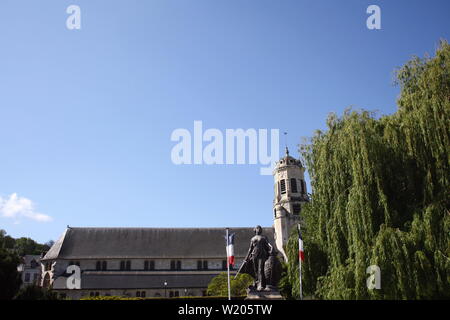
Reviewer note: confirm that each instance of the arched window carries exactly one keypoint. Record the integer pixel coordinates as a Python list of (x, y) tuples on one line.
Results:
[(46, 282)]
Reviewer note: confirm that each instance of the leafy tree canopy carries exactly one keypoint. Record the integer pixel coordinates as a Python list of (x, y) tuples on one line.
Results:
[(219, 285), (33, 292), (9, 276), (23, 246), (380, 195)]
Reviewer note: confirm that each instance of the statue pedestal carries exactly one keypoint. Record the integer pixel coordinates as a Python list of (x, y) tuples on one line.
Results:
[(267, 294)]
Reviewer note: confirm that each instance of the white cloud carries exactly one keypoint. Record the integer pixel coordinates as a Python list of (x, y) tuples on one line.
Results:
[(16, 207)]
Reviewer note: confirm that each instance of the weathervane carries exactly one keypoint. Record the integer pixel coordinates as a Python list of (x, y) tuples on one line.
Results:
[(285, 142)]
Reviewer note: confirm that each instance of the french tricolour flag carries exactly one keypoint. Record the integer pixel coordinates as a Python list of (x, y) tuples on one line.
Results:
[(230, 249), (301, 255)]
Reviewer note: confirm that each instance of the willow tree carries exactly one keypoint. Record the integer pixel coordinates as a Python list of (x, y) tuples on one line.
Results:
[(380, 195)]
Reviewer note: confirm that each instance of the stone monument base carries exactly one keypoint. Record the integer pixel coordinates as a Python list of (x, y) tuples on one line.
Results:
[(269, 293)]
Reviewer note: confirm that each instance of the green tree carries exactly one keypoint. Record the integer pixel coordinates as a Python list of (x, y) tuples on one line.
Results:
[(6, 241), (9, 276), (33, 292), (219, 285), (25, 246), (380, 195)]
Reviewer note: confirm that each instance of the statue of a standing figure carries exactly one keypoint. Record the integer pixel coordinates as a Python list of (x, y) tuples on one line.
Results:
[(255, 261)]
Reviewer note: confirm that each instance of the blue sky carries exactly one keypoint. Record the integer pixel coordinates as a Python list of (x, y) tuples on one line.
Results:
[(86, 115)]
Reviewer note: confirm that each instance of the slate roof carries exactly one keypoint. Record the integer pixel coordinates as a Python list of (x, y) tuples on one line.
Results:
[(129, 243), (94, 281)]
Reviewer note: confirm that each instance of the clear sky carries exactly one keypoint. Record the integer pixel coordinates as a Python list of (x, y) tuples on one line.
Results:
[(86, 115)]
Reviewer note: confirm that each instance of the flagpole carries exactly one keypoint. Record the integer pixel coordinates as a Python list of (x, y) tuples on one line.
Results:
[(228, 267), (300, 265)]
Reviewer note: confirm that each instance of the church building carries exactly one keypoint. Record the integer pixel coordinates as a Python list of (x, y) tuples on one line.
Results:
[(165, 262)]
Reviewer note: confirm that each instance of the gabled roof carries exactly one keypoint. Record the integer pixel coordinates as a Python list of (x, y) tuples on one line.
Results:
[(26, 259), (129, 243), (56, 248)]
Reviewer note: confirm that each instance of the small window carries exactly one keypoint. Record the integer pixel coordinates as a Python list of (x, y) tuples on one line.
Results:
[(224, 265), (27, 277), (172, 265), (283, 186), (128, 265), (104, 265), (303, 186), (97, 294), (199, 265), (294, 185), (143, 294), (296, 208), (152, 265), (146, 265), (178, 265), (170, 294), (138, 293), (122, 265), (92, 294), (205, 265), (98, 266), (35, 277), (177, 293)]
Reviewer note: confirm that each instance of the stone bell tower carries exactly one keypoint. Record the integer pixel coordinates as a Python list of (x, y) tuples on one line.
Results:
[(290, 195)]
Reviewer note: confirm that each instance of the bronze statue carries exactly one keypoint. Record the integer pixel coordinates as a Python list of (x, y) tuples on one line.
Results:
[(261, 262)]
